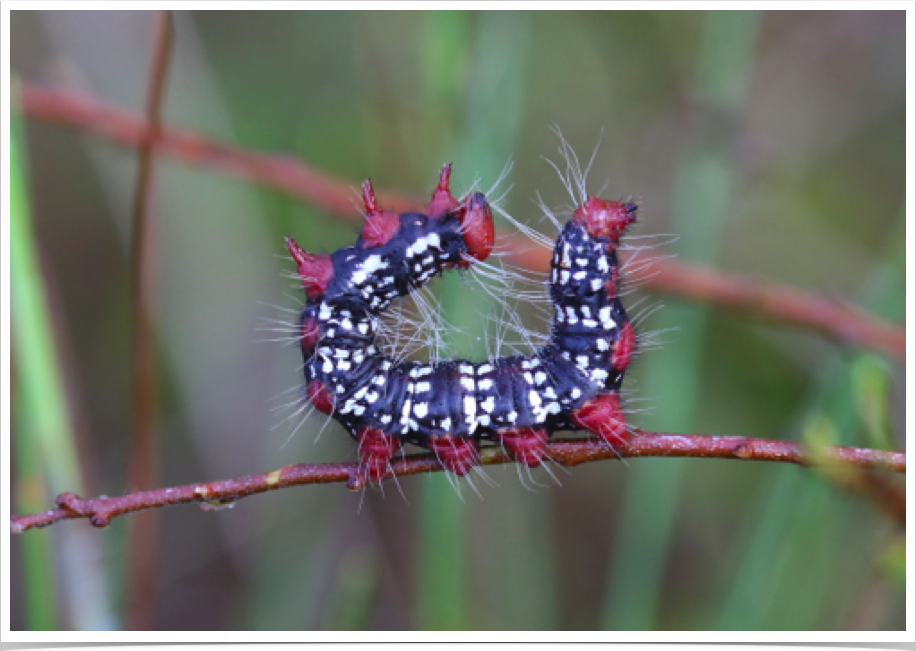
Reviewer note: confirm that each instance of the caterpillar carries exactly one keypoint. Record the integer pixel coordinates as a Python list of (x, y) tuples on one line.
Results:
[(449, 407)]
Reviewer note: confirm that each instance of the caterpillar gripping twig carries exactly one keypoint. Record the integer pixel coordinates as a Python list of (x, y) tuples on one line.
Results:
[(448, 407)]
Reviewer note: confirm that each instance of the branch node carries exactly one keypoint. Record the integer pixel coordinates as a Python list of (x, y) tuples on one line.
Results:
[(72, 502)]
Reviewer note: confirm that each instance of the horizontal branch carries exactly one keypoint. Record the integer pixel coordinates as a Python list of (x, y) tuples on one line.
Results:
[(568, 452), (837, 319)]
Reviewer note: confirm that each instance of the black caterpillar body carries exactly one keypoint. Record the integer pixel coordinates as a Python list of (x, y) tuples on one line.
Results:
[(573, 382)]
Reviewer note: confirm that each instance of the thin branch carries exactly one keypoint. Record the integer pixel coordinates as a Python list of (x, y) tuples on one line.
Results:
[(84, 112), (143, 470), (838, 319), (568, 452)]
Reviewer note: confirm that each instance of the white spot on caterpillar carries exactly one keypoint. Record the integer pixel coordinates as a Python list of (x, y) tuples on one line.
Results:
[(371, 264), (485, 385), (540, 377), (602, 344), (420, 410), (447, 424), (470, 407), (488, 405)]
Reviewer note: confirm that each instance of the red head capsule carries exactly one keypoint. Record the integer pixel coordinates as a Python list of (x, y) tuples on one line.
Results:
[(442, 202), (605, 218), (316, 270), (381, 225), (477, 227)]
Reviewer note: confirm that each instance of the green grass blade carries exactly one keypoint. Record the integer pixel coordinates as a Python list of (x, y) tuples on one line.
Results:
[(702, 196), (761, 592), (41, 423)]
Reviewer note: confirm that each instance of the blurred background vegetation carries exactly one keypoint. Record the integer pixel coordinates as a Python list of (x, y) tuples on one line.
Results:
[(772, 143)]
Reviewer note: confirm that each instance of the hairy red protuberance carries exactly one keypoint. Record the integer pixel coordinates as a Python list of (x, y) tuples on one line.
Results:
[(603, 416), (309, 334), (624, 347), (375, 451), (316, 270), (442, 202), (527, 446), (611, 286), (477, 227), (457, 455), (319, 396), (380, 225), (605, 218)]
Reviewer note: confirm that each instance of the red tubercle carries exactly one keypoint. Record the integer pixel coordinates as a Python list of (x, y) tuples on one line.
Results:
[(605, 218), (309, 333), (442, 201), (610, 287), (457, 455), (476, 227), (624, 347), (603, 416), (375, 451), (380, 225), (527, 446), (319, 396), (315, 269)]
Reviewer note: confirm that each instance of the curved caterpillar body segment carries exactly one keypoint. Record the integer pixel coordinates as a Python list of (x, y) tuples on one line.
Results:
[(448, 407)]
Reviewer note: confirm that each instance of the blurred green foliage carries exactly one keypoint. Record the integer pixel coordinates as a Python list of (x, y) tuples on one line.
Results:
[(772, 143)]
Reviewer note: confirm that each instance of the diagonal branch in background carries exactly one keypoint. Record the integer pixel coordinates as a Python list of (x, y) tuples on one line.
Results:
[(568, 452), (84, 112), (835, 318)]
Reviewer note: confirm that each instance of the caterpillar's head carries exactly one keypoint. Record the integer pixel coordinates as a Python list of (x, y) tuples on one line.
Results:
[(473, 212), (605, 218), (477, 226)]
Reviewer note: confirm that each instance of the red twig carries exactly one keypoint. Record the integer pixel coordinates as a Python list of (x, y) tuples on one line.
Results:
[(144, 453), (570, 452), (291, 175)]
